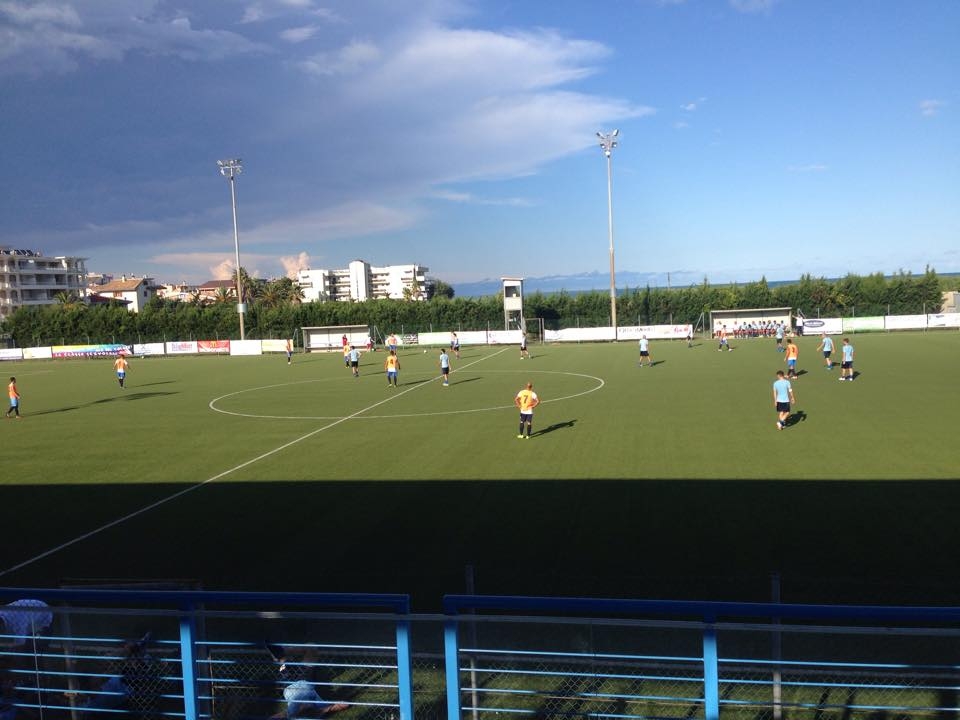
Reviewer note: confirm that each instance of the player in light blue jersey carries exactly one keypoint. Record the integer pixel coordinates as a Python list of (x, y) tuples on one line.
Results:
[(782, 397), (846, 362), (826, 345)]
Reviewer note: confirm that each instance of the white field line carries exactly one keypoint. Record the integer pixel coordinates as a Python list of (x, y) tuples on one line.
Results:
[(269, 453)]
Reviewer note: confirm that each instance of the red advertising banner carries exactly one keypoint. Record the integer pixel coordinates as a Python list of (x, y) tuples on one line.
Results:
[(213, 346)]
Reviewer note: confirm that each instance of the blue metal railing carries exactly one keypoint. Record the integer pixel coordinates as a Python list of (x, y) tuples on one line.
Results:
[(212, 655)]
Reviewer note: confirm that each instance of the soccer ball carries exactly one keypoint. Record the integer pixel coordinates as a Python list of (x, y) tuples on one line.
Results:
[(424, 352)]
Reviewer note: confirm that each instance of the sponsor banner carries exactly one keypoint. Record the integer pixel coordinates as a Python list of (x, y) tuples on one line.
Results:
[(11, 354), (101, 350), (245, 347), (579, 334), (142, 349), (655, 332), (37, 353), (816, 326), (213, 346), (905, 322), (504, 337), (468, 337), (182, 348), (408, 339), (861, 324), (944, 320), (273, 346)]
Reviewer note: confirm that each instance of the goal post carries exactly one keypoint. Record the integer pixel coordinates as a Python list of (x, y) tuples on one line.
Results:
[(330, 337)]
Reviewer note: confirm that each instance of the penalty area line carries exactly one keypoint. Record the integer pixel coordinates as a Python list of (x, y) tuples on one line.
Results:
[(218, 476)]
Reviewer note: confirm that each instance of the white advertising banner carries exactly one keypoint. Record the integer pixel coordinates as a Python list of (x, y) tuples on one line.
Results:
[(861, 324), (468, 337), (11, 354), (142, 349), (184, 347), (38, 353), (905, 322), (275, 345), (944, 320), (579, 334), (655, 332), (817, 326), (246, 347), (503, 337)]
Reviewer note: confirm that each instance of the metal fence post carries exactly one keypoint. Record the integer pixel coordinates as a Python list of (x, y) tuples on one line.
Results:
[(711, 673), (188, 662), (452, 668), (404, 670)]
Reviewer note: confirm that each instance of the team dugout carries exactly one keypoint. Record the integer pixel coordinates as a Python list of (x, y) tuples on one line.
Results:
[(753, 322)]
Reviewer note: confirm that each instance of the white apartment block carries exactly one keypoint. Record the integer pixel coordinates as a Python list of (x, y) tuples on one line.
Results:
[(362, 281), (27, 277)]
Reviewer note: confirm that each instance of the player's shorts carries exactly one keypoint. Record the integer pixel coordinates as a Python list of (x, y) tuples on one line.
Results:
[(14, 402), (847, 364), (302, 699), (121, 374), (526, 416), (791, 363), (644, 353), (779, 341), (354, 363), (391, 347), (783, 407), (827, 353), (391, 374)]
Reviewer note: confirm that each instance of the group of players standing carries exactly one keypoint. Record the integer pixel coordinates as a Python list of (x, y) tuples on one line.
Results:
[(783, 394)]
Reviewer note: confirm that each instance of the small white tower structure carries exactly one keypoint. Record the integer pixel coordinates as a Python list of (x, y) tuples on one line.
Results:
[(513, 304)]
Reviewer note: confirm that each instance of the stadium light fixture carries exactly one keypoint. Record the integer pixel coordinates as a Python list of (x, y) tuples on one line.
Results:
[(230, 169), (608, 141)]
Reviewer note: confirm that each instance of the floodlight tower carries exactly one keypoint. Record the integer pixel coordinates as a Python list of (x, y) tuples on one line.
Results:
[(230, 169), (608, 141)]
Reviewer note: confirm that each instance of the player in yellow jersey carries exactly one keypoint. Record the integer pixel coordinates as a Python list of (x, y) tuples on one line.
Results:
[(791, 355), (121, 365), (392, 366), (14, 396), (526, 400)]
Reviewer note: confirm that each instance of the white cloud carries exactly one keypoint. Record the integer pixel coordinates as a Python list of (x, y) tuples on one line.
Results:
[(300, 34), (346, 61), (294, 263), (811, 167), (51, 37), (471, 199), (753, 6), (929, 108)]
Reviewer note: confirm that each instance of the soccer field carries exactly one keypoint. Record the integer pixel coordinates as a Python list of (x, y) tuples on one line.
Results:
[(697, 413), (235, 470)]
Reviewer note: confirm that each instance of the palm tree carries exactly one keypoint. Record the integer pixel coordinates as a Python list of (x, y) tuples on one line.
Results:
[(224, 295), (68, 299)]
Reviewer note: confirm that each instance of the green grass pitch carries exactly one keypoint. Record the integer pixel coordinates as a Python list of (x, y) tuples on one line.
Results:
[(214, 468)]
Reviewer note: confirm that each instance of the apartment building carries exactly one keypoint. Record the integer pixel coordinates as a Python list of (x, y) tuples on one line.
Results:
[(363, 281), (28, 277)]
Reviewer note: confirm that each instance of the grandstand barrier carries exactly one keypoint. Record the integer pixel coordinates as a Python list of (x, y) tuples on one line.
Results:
[(329, 338), (97, 654)]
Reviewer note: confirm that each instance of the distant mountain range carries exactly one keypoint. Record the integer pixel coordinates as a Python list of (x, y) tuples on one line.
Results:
[(586, 282)]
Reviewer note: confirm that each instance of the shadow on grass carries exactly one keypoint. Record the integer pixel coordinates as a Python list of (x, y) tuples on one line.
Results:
[(798, 417), (158, 382), (466, 380), (125, 396), (555, 426)]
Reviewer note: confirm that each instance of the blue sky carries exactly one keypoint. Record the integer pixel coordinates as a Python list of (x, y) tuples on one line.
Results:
[(757, 137)]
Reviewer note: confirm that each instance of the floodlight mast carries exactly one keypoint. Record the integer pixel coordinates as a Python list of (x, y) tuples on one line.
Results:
[(608, 141), (230, 169)]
